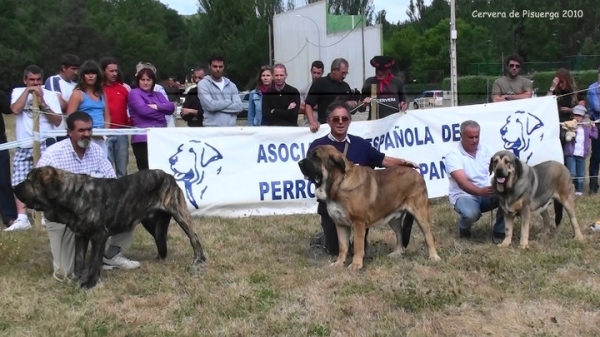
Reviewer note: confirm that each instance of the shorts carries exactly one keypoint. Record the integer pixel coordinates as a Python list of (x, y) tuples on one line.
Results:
[(23, 163)]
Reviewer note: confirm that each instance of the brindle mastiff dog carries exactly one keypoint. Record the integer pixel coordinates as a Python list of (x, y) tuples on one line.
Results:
[(96, 208), (524, 190), (359, 197)]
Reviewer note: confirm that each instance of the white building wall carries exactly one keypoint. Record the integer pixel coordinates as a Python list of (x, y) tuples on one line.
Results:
[(290, 46)]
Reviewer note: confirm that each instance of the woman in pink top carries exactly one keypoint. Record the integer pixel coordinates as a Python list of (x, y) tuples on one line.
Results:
[(147, 109)]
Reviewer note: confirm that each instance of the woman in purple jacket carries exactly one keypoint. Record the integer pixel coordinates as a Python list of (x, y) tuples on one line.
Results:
[(147, 109)]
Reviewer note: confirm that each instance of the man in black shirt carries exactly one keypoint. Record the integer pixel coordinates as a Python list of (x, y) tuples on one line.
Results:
[(326, 90), (281, 102), (8, 208), (390, 89), (191, 111)]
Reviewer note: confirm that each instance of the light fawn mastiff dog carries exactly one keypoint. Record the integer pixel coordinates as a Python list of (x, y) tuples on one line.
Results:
[(525, 190), (359, 197)]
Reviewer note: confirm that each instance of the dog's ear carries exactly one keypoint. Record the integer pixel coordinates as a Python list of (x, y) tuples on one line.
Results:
[(492, 164), (49, 179), (518, 167), (338, 161)]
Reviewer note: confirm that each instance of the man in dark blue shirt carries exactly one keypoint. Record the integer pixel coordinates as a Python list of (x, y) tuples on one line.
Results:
[(357, 150)]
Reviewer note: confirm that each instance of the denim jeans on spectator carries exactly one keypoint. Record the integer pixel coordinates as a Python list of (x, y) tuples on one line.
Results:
[(118, 153), (576, 166), (470, 209), (8, 208)]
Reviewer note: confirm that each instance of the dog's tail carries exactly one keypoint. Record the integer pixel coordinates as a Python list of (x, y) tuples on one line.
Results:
[(407, 223), (558, 212)]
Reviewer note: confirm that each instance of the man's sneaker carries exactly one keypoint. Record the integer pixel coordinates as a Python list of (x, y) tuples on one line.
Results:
[(19, 225), (318, 239), (119, 261)]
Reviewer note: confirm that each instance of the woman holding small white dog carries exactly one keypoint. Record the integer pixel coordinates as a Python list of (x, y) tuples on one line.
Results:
[(577, 148)]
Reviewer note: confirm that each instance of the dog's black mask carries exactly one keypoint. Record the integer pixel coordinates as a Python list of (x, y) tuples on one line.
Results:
[(311, 168)]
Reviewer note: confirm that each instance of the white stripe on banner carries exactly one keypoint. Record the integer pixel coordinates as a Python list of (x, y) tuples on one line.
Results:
[(243, 171)]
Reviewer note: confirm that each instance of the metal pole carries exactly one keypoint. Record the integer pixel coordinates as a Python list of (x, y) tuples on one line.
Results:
[(37, 216), (453, 36), (362, 33), (271, 42)]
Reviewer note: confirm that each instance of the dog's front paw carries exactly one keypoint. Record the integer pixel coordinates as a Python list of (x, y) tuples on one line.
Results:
[(337, 264), (355, 266), (524, 245), (435, 257), (504, 244), (89, 284)]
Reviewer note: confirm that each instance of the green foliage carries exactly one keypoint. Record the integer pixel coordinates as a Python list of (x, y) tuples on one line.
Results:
[(472, 89)]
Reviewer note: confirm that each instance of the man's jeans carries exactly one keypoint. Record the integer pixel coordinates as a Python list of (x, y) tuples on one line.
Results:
[(470, 208), (8, 208), (118, 153)]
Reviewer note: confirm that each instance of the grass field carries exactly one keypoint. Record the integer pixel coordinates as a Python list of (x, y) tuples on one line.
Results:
[(261, 280)]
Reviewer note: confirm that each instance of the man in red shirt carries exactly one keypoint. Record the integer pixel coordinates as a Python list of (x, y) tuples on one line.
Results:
[(116, 98)]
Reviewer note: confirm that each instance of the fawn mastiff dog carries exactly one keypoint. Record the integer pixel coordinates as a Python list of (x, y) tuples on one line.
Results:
[(359, 197), (524, 190), (96, 208)]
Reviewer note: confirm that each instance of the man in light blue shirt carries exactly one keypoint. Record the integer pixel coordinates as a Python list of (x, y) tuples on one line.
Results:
[(470, 189)]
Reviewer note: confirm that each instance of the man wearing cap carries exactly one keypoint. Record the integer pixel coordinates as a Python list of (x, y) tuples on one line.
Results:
[(390, 89), (578, 148)]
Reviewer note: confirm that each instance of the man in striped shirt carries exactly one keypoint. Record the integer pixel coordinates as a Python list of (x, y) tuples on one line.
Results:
[(78, 154)]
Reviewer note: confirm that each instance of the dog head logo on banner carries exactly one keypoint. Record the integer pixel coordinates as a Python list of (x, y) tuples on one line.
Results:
[(192, 164), (521, 130)]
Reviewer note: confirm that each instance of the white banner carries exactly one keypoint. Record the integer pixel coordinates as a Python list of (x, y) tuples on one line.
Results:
[(245, 171)]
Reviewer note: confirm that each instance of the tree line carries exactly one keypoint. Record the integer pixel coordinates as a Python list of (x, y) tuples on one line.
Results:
[(39, 31)]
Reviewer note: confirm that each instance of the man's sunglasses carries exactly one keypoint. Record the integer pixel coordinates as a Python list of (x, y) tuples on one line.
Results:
[(337, 119), (513, 65)]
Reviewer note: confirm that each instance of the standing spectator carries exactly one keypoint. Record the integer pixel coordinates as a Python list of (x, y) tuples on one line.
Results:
[(22, 106), (116, 98), (191, 111), (8, 208), (578, 148), (316, 71), (88, 97), (282, 101), (219, 97), (593, 107), (63, 83), (326, 90), (390, 89), (564, 86), (263, 82), (157, 87), (172, 89), (513, 86), (147, 109)]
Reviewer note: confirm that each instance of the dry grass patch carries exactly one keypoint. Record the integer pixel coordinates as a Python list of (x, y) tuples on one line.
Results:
[(261, 280)]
